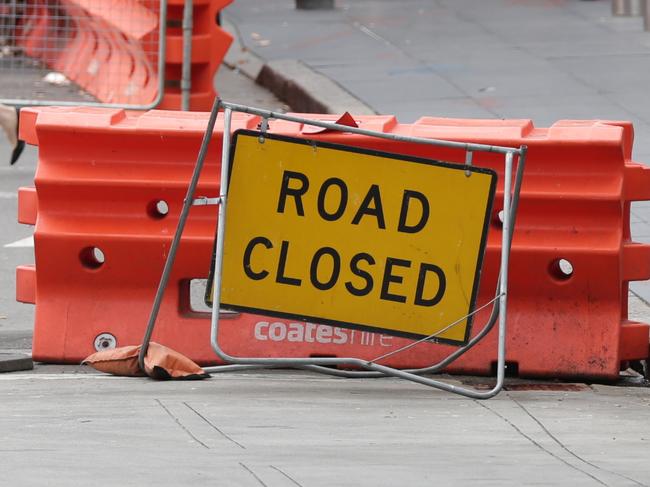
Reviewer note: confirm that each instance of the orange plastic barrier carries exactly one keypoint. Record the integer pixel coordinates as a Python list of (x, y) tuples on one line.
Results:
[(109, 47), (209, 46), (104, 194), (103, 46)]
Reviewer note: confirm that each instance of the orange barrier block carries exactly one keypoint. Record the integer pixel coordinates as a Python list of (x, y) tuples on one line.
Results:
[(26, 284), (209, 46), (562, 321), (27, 206)]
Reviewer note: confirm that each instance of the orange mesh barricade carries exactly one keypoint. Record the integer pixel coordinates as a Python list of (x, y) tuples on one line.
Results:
[(101, 174), (102, 45)]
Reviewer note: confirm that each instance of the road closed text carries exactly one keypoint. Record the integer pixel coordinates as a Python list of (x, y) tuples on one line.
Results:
[(326, 265)]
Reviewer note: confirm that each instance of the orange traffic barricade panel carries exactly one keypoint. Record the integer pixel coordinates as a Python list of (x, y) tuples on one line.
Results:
[(108, 209)]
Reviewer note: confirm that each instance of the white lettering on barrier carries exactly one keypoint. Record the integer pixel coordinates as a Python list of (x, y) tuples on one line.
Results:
[(278, 331)]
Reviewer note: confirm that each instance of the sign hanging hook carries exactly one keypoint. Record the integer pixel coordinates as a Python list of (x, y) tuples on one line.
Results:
[(469, 155), (263, 127)]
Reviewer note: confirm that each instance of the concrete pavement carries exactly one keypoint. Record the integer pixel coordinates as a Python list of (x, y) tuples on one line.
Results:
[(64, 427)]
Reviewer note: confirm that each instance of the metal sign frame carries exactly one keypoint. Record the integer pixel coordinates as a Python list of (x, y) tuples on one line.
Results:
[(324, 364), (162, 49), (338, 163)]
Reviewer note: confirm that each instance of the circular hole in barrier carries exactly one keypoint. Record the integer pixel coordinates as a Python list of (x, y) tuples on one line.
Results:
[(561, 269), (158, 209), (92, 257), (497, 218)]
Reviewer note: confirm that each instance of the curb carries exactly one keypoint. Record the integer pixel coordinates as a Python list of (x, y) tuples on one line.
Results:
[(302, 88), (11, 362)]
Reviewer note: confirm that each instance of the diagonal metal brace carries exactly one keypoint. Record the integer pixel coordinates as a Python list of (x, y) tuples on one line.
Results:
[(182, 219)]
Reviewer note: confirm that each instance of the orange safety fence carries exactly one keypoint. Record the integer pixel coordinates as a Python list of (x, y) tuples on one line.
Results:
[(102, 236), (100, 45), (111, 48)]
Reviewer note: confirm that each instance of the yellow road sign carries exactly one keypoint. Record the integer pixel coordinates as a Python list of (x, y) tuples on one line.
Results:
[(352, 237)]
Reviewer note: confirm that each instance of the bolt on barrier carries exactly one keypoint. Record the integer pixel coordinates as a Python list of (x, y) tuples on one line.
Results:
[(96, 270)]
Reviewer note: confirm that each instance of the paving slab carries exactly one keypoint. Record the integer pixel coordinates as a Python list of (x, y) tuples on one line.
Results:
[(280, 428)]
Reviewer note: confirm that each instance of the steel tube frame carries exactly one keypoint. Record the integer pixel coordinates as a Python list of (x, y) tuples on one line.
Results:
[(162, 51), (352, 361), (510, 199), (186, 73), (467, 146), (353, 374)]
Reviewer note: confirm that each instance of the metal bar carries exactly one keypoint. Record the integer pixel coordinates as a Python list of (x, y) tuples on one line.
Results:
[(187, 204), (302, 362), (467, 146), (503, 281), (162, 56), (221, 224), (186, 74)]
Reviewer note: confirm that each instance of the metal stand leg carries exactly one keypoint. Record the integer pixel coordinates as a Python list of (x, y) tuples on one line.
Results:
[(187, 204)]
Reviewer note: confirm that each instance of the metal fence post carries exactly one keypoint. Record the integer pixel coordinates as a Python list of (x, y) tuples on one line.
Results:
[(186, 75)]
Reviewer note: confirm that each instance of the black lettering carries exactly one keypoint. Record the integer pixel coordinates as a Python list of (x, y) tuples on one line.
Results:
[(256, 276), (282, 263), (336, 268), (442, 285), (377, 210), (424, 217), (354, 267), (390, 277), (297, 193), (330, 217)]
